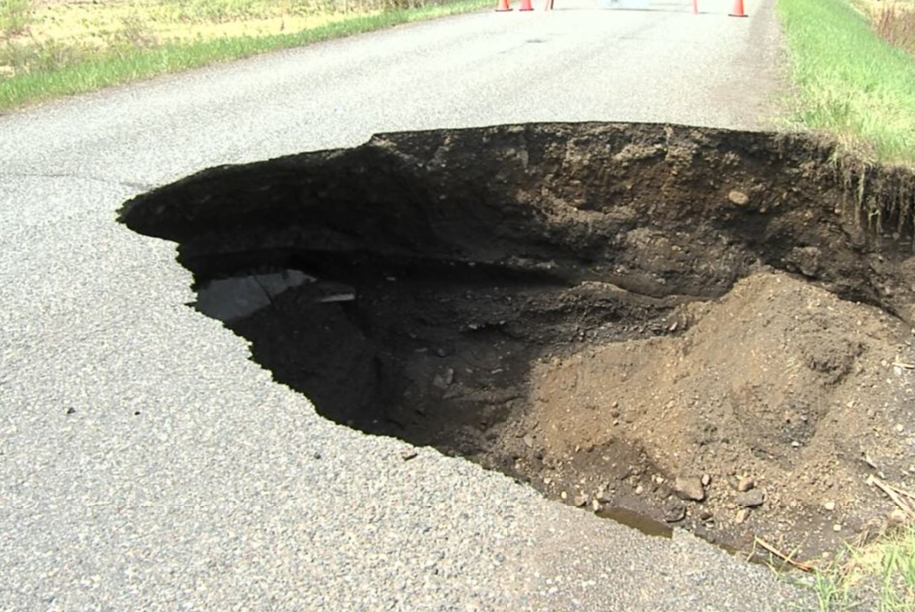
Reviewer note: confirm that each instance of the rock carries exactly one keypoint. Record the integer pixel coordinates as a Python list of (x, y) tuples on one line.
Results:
[(595, 505), (830, 505), (742, 515), (528, 441), (706, 480), (837, 527), (706, 515), (604, 497), (745, 484), (897, 517), (444, 380), (689, 488), (674, 512), (408, 453), (580, 500), (751, 499), (738, 198)]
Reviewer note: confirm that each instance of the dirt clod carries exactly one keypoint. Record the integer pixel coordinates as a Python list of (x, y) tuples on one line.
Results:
[(751, 499), (745, 484)]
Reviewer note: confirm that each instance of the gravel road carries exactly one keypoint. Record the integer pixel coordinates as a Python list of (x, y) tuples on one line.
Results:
[(147, 464)]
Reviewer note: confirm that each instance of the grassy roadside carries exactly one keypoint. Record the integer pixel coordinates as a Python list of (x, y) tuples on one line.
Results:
[(852, 84), (131, 52), (878, 576)]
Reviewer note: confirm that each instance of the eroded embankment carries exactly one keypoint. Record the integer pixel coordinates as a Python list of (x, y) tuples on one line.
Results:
[(699, 325)]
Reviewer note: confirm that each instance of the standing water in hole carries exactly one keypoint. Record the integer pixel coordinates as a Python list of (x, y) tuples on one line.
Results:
[(699, 326)]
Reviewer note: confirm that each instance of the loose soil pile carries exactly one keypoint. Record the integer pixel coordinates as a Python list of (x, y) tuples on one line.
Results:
[(709, 328)]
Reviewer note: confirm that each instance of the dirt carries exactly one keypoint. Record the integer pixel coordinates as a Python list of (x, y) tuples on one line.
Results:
[(709, 328)]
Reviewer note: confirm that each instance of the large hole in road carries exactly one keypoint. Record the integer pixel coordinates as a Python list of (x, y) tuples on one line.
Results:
[(706, 328)]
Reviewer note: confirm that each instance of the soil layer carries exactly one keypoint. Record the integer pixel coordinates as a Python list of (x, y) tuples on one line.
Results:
[(710, 328)]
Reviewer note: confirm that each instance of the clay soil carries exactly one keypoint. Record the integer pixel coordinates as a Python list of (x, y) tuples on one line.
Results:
[(711, 329)]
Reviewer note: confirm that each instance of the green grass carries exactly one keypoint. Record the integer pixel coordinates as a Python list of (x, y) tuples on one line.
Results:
[(64, 71), (879, 577), (852, 84)]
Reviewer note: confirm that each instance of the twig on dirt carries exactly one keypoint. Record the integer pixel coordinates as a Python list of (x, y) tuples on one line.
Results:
[(867, 459), (801, 565), (905, 500), (903, 365)]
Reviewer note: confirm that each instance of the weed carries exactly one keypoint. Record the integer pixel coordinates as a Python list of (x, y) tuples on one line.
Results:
[(32, 55), (15, 16), (896, 25), (133, 34)]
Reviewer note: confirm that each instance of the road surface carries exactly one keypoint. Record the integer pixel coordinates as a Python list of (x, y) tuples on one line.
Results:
[(147, 464)]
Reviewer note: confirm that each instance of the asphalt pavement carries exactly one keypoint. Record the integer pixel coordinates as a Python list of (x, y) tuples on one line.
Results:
[(147, 464)]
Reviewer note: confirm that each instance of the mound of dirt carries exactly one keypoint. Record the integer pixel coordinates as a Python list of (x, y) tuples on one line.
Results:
[(763, 413), (704, 327)]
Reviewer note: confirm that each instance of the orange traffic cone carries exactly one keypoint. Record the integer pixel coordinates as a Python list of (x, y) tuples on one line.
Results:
[(526, 5), (503, 6), (738, 9)]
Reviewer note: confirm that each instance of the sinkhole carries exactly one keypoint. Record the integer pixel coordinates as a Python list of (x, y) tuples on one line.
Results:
[(705, 328)]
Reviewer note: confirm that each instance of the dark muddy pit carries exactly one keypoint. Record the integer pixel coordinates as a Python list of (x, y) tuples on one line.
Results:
[(699, 326)]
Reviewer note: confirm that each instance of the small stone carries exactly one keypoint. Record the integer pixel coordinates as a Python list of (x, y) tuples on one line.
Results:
[(751, 498), (900, 428), (837, 527), (674, 512), (742, 515), (580, 500), (639, 489), (705, 515), (564, 495), (706, 480), (595, 505), (738, 198), (408, 453), (444, 380), (830, 505), (528, 441), (71, 410), (745, 484), (603, 497), (897, 517), (689, 488)]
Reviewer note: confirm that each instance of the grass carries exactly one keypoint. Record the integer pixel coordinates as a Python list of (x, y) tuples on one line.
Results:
[(77, 53), (852, 84), (884, 572), (15, 16)]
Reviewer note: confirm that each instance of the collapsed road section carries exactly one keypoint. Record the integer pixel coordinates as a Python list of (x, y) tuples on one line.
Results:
[(705, 327)]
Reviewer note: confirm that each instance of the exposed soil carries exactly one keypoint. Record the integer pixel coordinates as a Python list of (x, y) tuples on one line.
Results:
[(701, 326)]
